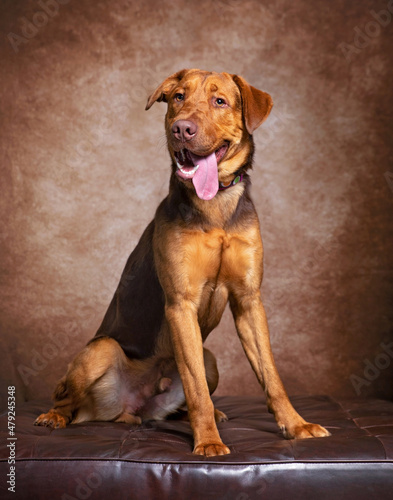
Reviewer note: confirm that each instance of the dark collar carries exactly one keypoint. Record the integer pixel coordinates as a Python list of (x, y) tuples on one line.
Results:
[(238, 178)]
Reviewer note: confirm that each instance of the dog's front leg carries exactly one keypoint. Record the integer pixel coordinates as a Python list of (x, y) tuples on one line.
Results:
[(251, 324), (182, 318)]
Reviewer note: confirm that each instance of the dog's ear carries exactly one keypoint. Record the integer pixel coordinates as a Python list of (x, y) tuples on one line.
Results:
[(256, 104), (165, 88)]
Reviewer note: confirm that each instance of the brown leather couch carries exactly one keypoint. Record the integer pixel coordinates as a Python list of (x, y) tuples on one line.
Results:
[(154, 461)]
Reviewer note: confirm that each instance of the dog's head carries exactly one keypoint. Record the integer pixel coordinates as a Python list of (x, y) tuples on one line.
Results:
[(209, 123)]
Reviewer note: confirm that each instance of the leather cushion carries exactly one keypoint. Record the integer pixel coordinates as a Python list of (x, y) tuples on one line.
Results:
[(155, 460)]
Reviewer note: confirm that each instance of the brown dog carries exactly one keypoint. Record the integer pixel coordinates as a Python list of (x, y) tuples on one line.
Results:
[(202, 249)]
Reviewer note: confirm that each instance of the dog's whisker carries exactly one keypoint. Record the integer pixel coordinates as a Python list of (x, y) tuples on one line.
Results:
[(161, 142)]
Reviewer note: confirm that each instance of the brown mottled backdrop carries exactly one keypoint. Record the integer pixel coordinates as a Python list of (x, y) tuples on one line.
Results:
[(83, 167)]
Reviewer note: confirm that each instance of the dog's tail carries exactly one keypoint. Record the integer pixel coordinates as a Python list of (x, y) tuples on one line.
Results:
[(60, 391)]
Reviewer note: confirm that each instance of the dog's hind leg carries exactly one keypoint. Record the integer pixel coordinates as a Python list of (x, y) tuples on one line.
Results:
[(71, 395), (60, 415)]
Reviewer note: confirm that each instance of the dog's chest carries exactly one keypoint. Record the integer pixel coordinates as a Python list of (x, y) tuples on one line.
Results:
[(222, 259), (224, 264)]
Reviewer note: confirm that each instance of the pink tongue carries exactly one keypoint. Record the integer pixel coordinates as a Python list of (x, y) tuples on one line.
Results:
[(205, 179)]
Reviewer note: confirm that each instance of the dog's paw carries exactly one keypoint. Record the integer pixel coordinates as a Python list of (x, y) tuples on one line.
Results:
[(211, 449), (219, 416), (52, 419), (304, 431), (128, 418)]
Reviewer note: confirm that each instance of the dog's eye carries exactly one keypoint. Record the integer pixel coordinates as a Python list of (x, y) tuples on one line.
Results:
[(220, 102), (179, 97)]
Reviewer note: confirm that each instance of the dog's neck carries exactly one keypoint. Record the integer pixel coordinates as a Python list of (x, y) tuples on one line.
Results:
[(237, 177), (217, 212)]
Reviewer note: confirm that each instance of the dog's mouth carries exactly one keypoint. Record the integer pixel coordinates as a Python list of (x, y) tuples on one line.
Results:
[(184, 157), (202, 170)]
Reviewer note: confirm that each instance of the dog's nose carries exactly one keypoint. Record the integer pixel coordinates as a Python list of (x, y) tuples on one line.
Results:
[(184, 130)]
